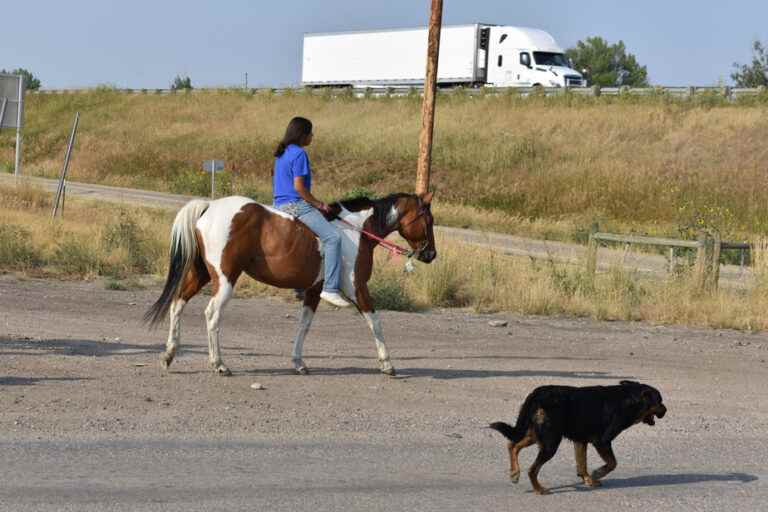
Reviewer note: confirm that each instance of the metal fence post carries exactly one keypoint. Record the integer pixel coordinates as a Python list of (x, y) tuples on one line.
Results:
[(715, 268), (19, 118), (63, 177), (592, 252)]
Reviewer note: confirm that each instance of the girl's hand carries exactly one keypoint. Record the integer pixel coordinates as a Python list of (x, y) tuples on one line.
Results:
[(323, 207)]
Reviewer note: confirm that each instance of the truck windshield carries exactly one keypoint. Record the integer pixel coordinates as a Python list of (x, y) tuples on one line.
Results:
[(551, 59)]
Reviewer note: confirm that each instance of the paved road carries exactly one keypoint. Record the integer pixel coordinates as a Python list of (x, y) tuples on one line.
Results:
[(452, 474), (643, 263)]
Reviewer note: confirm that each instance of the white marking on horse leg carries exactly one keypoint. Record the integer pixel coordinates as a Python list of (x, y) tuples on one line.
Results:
[(213, 317), (305, 321), (174, 332), (374, 323)]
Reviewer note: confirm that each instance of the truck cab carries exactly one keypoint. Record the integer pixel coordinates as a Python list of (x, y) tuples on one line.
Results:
[(528, 57)]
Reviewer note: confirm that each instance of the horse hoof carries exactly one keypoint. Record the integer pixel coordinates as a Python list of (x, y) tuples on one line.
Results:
[(515, 477), (165, 360), (589, 482), (223, 371), (299, 367)]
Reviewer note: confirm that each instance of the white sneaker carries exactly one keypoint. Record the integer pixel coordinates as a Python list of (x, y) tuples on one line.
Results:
[(335, 298)]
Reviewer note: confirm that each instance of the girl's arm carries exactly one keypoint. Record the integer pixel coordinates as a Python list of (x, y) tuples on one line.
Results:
[(298, 183)]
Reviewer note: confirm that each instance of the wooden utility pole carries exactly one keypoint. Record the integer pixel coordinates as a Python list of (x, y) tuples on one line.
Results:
[(428, 103)]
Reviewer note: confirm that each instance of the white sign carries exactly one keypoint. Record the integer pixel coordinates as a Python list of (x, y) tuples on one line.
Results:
[(12, 109), (12, 96), (213, 165)]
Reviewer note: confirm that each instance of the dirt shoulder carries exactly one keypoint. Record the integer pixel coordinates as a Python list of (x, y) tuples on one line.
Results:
[(76, 362)]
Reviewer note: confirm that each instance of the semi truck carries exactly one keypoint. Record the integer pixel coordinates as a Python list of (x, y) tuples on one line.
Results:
[(470, 55)]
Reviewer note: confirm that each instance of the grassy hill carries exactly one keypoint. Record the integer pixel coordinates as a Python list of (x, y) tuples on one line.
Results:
[(542, 166)]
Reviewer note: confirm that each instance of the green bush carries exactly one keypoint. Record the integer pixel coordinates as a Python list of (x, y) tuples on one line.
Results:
[(74, 256), (138, 252), (16, 249), (198, 183), (388, 291)]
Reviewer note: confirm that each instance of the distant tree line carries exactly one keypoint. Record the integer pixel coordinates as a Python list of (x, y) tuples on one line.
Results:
[(754, 74)]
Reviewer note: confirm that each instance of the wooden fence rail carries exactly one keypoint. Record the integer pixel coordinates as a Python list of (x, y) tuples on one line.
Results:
[(708, 249)]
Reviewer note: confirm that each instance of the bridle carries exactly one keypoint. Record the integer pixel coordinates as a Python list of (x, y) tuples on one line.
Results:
[(393, 248)]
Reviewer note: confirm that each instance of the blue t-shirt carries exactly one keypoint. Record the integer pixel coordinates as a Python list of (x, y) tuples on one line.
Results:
[(291, 164)]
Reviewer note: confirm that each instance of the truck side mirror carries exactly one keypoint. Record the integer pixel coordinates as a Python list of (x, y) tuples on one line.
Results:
[(525, 60)]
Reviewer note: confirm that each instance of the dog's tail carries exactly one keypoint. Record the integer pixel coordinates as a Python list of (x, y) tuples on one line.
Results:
[(517, 432)]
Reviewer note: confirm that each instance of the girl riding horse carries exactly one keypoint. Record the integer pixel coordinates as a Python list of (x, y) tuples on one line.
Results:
[(216, 241), (292, 191)]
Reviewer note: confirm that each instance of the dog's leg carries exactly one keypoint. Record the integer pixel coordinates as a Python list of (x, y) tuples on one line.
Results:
[(606, 453), (581, 464), (514, 449), (547, 450)]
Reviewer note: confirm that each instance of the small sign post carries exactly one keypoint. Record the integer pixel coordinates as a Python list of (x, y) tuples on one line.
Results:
[(213, 166)]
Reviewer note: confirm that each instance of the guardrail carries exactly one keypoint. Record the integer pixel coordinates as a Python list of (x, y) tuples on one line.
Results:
[(688, 92), (708, 248)]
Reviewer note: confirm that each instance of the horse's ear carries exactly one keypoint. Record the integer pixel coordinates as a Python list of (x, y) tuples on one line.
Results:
[(426, 198)]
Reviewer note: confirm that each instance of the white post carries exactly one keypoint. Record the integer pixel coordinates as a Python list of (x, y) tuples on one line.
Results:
[(213, 178), (17, 169)]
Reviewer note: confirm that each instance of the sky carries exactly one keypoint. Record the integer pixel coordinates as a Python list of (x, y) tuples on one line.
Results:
[(145, 44)]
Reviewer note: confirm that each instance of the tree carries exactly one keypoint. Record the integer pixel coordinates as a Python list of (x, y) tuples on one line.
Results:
[(181, 83), (755, 74), (31, 82), (607, 65)]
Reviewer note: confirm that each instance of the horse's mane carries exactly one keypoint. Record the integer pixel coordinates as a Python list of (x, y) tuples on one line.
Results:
[(381, 208)]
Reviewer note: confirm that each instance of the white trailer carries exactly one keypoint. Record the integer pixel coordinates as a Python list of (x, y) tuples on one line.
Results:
[(470, 55)]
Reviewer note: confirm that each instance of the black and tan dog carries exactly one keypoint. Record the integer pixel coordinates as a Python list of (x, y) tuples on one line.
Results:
[(596, 414)]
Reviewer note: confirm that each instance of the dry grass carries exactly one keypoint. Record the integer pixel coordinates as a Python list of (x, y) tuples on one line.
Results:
[(542, 167), (93, 239), (123, 245)]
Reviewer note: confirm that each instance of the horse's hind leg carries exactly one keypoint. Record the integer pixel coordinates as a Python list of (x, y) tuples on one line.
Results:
[(223, 292), (308, 308), (196, 278)]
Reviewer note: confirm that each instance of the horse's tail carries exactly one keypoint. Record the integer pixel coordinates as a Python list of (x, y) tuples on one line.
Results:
[(183, 253), (516, 433)]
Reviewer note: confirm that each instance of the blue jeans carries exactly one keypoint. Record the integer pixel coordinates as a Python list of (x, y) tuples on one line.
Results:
[(329, 236)]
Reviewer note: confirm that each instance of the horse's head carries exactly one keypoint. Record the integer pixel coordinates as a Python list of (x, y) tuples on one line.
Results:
[(415, 225)]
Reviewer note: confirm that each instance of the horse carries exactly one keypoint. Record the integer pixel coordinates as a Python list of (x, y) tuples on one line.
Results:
[(216, 241)]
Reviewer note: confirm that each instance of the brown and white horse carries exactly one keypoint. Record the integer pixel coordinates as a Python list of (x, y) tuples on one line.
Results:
[(218, 240)]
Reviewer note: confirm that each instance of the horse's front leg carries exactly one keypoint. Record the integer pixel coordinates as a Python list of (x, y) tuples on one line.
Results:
[(374, 323), (308, 308)]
